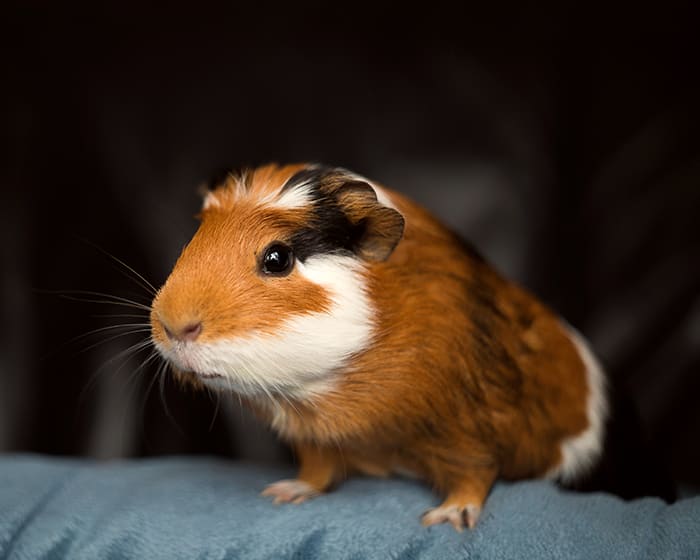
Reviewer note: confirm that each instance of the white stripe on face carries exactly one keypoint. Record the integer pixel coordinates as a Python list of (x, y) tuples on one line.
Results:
[(298, 196)]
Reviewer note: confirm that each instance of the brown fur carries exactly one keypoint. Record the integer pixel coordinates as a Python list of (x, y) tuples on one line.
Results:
[(469, 377)]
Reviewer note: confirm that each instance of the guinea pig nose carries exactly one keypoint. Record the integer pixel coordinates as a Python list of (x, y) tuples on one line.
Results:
[(189, 332)]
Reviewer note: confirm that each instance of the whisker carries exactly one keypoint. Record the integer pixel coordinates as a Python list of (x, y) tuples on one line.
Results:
[(237, 393), (93, 332), (72, 295), (133, 349), (152, 356), (108, 328), (151, 384), (120, 316), (142, 409), (216, 409), (140, 412), (161, 375), (112, 297), (127, 354), (105, 302), (114, 337), (133, 387), (138, 278)]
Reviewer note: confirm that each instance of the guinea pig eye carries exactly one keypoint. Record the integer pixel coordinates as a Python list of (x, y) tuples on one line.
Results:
[(277, 260)]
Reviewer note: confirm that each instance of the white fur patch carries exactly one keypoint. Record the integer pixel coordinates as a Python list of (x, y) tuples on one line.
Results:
[(580, 452), (299, 360), (298, 196), (210, 201)]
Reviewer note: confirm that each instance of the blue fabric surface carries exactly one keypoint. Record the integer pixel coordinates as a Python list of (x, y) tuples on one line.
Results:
[(209, 508)]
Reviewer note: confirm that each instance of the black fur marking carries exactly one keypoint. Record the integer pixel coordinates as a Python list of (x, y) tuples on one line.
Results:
[(309, 175), (329, 230)]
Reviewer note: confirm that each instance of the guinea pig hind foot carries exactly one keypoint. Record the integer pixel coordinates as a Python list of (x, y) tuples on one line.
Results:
[(457, 515), (292, 491), (462, 505)]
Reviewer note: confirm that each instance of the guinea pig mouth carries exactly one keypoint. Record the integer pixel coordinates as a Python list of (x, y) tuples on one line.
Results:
[(180, 358)]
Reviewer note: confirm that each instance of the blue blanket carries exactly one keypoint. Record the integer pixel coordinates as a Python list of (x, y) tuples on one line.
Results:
[(210, 508)]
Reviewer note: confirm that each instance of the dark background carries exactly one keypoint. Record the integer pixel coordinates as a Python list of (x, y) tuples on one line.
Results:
[(564, 143)]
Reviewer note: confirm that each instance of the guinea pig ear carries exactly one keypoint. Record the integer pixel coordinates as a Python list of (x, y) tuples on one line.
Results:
[(382, 227)]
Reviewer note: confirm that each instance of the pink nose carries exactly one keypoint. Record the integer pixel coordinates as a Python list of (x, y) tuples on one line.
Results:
[(189, 332)]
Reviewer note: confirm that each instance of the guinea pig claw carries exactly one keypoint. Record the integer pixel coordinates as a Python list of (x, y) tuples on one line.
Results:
[(456, 516), (290, 491), (471, 515)]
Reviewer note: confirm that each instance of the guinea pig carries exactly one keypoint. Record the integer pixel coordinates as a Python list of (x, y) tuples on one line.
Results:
[(375, 341)]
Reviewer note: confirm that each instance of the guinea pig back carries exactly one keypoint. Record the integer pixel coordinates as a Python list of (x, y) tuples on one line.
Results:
[(374, 340)]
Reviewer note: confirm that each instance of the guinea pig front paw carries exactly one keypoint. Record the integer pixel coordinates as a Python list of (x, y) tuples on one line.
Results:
[(457, 516), (290, 491)]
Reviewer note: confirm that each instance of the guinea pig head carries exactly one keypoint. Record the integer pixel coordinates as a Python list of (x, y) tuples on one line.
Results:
[(270, 294)]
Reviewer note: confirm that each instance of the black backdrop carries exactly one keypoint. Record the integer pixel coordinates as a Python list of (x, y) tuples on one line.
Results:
[(564, 143)]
